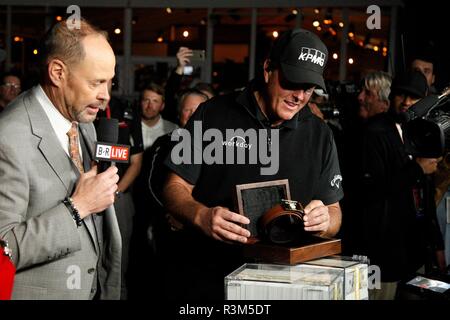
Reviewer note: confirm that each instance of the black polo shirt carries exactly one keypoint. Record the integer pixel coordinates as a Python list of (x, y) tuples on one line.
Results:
[(307, 158), (307, 152)]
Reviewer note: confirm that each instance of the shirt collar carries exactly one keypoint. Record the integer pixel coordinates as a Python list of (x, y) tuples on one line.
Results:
[(59, 124), (248, 100)]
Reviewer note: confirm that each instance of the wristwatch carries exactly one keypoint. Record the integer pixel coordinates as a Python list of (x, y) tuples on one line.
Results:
[(283, 224)]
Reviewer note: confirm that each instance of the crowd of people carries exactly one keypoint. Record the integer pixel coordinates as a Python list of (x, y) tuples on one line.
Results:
[(172, 227)]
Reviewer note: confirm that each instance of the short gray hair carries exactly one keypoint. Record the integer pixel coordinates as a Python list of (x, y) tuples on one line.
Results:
[(381, 82)]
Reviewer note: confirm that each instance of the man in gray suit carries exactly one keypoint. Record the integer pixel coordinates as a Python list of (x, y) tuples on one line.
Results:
[(58, 217)]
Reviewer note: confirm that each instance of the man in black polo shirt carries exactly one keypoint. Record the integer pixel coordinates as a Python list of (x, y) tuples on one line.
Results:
[(280, 139)]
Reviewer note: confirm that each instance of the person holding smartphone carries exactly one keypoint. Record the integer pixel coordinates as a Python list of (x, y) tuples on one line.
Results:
[(174, 85)]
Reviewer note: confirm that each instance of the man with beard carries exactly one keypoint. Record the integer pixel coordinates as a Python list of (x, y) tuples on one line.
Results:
[(153, 125)]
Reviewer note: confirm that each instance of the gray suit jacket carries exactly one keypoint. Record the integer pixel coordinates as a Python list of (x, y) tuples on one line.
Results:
[(54, 258)]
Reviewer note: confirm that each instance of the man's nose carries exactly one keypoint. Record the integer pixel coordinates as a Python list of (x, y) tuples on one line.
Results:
[(104, 92), (407, 102), (299, 95), (361, 96)]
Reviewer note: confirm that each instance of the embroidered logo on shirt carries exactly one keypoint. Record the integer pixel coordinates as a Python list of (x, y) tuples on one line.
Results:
[(336, 181), (238, 142)]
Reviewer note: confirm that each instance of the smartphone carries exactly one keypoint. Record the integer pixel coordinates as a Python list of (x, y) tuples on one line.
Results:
[(188, 70), (198, 55)]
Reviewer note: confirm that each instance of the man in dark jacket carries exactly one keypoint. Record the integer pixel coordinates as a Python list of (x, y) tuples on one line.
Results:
[(397, 223)]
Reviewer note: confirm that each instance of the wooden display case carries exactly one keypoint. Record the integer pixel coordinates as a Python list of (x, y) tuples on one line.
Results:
[(253, 200)]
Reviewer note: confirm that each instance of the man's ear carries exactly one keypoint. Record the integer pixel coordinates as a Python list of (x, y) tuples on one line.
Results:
[(267, 70), (57, 72), (386, 104), (162, 107)]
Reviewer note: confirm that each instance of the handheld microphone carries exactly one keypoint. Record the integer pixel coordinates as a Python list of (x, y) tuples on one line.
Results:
[(107, 151)]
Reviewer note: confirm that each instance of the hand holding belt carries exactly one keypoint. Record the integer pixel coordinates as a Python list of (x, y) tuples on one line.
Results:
[(283, 224)]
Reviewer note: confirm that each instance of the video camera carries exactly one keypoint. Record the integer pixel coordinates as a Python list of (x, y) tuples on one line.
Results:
[(426, 125)]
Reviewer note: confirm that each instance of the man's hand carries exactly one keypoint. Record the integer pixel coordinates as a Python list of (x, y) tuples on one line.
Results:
[(95, 192), (183, 55), (428, 165), (222, 224), (317, 217)]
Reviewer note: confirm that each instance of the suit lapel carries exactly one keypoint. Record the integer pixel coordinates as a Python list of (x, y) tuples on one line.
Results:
[(88, 135), (49, 144), (90, 221)]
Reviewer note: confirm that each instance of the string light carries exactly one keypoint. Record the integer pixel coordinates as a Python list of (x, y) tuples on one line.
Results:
[(335, 56), (328, 17), (351, 61), (332, 31), (316, 23), (275, 34), (117, 31), (185, 33)]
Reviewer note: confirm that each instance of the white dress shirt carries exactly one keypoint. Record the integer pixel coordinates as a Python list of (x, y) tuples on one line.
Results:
[(59, 124)]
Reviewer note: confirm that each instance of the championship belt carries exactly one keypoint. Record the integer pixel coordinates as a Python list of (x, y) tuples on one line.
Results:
[(283, 224), (7, 271)]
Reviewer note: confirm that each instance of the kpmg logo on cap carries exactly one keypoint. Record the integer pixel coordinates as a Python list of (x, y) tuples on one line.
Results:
[(312, 55)]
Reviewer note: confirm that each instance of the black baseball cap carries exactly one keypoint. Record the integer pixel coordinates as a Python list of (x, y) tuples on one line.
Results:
[(301, 57), (413, 83)]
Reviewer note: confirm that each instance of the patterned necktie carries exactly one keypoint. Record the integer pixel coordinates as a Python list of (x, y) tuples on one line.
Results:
[(74, 149)]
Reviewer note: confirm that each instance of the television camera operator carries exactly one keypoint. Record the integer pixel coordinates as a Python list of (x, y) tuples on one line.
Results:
[(398, 227)]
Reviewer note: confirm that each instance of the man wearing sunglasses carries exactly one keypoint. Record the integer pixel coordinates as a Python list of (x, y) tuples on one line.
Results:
[(201, 194), (9, 89)]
